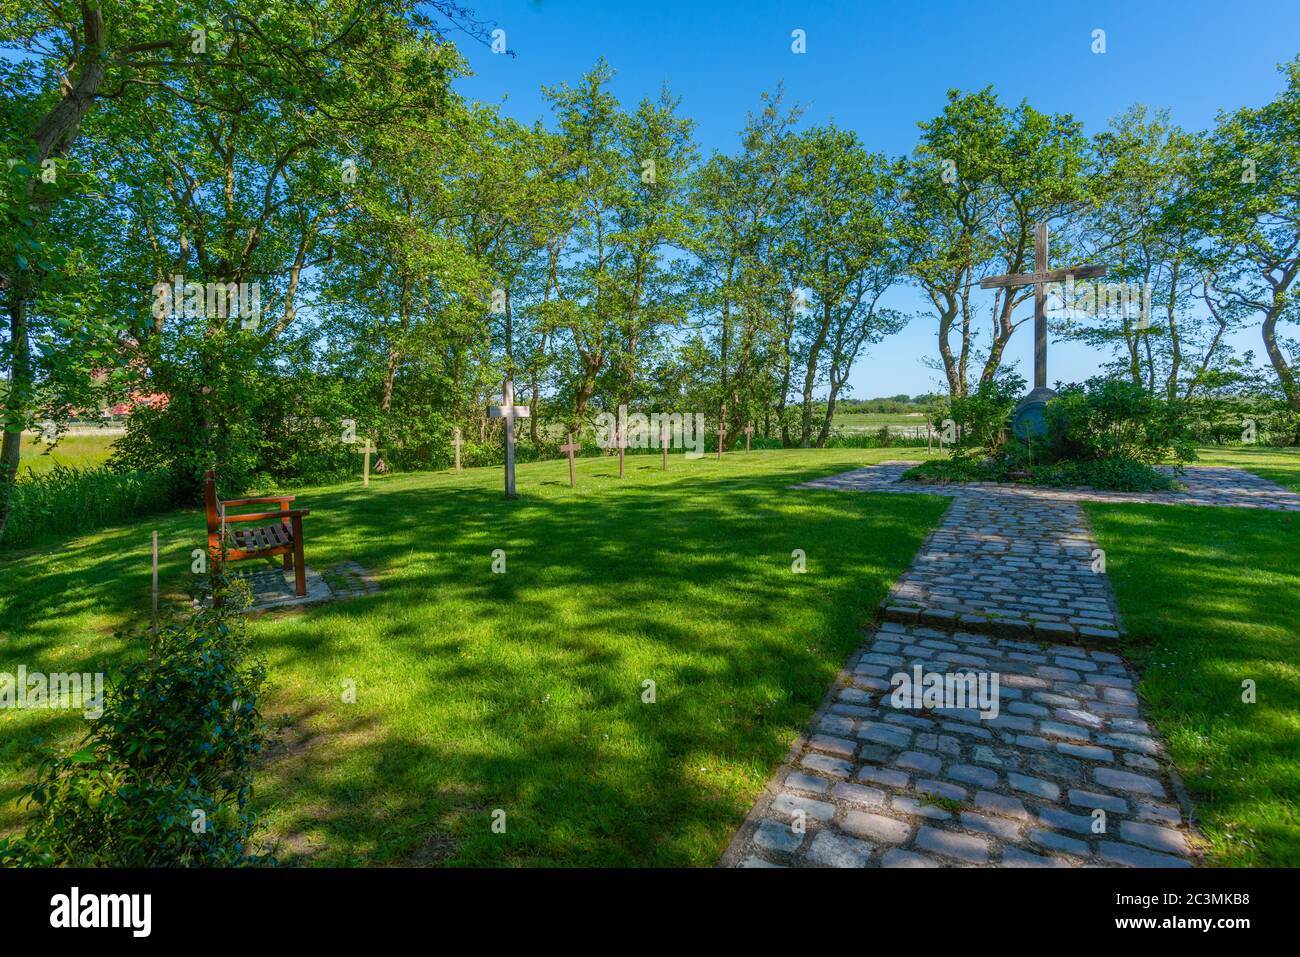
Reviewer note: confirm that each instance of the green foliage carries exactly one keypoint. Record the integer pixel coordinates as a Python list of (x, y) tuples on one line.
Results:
[(165, 775), (983, 416), (66, 501), (1118, 474), (1114, 419)]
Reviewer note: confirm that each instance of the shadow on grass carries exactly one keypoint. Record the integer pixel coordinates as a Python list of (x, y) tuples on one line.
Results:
[(527, 691)]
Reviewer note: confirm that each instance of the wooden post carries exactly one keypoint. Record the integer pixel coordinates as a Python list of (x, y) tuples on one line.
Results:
[(622, 446), (365, 474), (570, 449), (665, 436), (929, 438), (155, 584), (722, 429), (457, 441)]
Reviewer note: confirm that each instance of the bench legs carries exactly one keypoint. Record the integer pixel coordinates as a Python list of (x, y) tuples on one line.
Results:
[(299, 564)]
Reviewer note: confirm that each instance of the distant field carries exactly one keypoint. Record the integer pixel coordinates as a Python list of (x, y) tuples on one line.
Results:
[(78, 451), (871, 421)]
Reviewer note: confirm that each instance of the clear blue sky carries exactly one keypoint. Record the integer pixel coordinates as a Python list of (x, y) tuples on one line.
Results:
[(880, 67)]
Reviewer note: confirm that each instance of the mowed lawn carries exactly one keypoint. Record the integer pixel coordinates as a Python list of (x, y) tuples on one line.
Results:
[(521, 692), (86, 450), (1211, 598)]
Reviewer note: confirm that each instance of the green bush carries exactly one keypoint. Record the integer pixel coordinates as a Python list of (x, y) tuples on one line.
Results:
[(165, 775), (67, 501), (983, 416), (1114, 419)]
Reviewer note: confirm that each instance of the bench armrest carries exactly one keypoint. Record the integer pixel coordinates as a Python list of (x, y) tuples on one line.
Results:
[(263, 516), (259, 501)]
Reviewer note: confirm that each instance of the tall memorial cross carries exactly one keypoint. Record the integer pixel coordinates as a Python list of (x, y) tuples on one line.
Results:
[(507, 412), (1029, 413), (458, 442), (570, 449), (749, 430)]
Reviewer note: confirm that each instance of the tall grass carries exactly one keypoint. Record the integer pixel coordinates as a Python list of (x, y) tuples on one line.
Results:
[(66, 501)]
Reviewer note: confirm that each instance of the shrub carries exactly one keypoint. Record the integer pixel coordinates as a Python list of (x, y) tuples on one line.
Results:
[(983, 416), (1116, 474), (165, 775), (67, 501), (1114, 419)]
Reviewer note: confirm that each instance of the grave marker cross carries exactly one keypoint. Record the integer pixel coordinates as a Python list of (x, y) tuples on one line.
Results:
[(366, 450), (508, 412), (665, 436), (621, 431), (458, 442), (722, 430), (570, 449), (1039, 279), (749, 430)]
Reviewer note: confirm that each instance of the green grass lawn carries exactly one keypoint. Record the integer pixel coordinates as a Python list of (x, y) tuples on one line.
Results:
[(1211, 597), (76, 451), (519, 691), (871, 421)]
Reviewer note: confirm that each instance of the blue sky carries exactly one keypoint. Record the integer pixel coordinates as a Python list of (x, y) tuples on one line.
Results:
[(880, 67)]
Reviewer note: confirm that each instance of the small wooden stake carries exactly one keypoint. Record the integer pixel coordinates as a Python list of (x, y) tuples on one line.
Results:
[(155, 584), (929, 438), (365, 475), (665, 436), (457, 441), (570, 449)]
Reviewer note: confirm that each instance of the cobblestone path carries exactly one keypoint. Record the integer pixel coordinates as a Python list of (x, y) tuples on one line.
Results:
[(1067, 772)]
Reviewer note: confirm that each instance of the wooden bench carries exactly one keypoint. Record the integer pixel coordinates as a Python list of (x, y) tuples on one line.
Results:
[(282, 537)]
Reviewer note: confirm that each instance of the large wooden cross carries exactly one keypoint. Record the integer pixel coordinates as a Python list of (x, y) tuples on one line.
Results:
[(507, 412), (570, 449), (1039, 279)]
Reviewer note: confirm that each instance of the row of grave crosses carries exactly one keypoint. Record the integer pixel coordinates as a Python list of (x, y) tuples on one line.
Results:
[(508, 412), (1028, 418)]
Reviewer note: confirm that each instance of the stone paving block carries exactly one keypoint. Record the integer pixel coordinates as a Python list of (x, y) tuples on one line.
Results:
[(1155, 837), (886, 776), (910, 805), (1001, 804), (876, 827), (777, 836), (917, 761), (1130, 856), (838, 850), (1015, 857), (838, 746), (963, 847), (1127, 781), (1058, 842), (858, 794), (806, 782), (1034, 786), (900, 858), (835, 767), (787, 805)]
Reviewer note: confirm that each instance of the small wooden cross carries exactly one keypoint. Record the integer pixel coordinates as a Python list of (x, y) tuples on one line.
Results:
[(508, 412), (365, 475), (722, 430), (1039, 279), (458, 442), (621, 431), (570, 449), (749, 430), (665, 437)]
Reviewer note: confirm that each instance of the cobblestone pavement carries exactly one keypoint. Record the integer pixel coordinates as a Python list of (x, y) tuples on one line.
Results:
[(875, 785), (1066, 773)]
